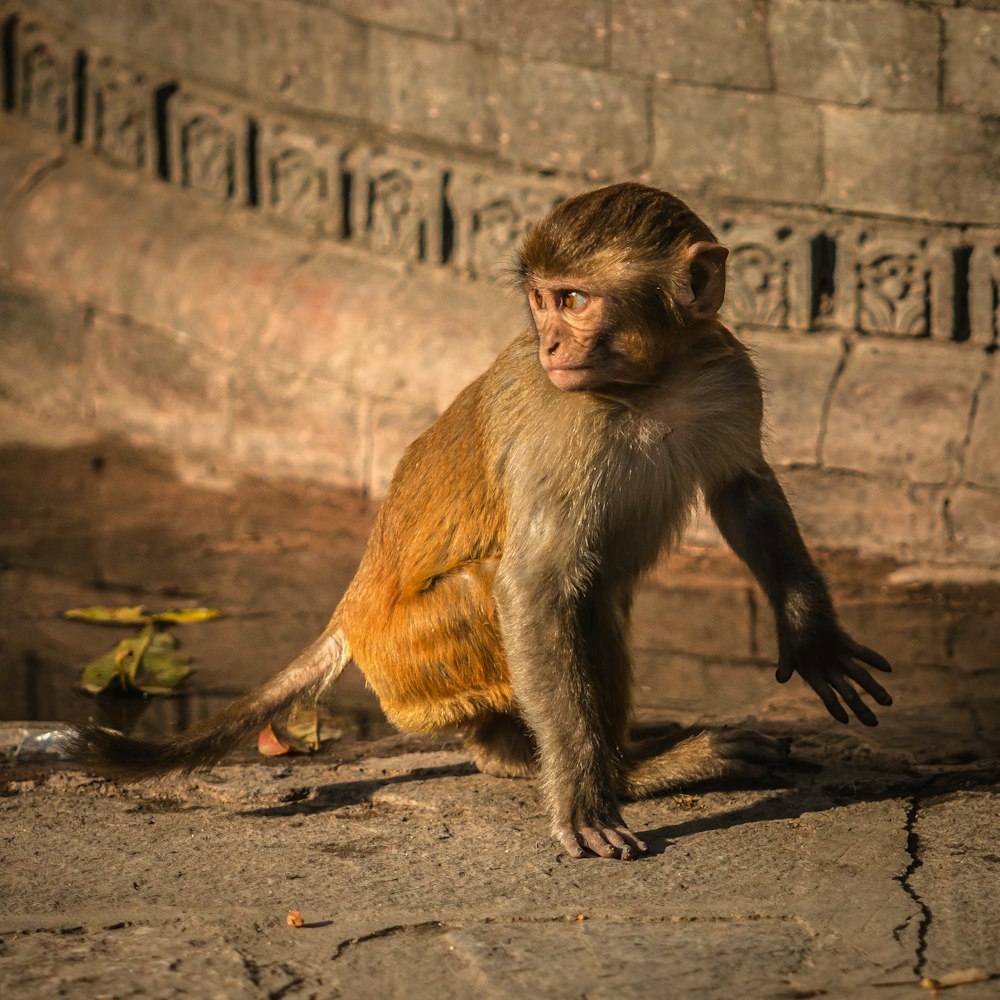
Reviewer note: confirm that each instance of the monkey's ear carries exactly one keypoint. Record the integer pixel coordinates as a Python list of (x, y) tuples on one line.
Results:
[(703, 280)]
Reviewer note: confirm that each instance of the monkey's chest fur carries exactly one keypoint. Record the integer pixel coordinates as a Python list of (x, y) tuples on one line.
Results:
[(577, 493)]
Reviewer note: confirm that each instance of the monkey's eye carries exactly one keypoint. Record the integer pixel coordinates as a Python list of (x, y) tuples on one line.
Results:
[(574, 301), (536, 298)]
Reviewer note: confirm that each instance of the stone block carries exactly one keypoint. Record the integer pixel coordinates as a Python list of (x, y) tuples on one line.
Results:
[(554, 116), (24, 154), (432, 89), (42, 355), (973, 515), (975, 641), (293, 424), (908, 632), (982, 461), (158, 388), (719, 143), (972, 60), (709, 621), (428, 17), (902, 413), (797, 373), (304, 55), (574, 31), (871, 166), (872, 515), (855, 53), (704, 41)]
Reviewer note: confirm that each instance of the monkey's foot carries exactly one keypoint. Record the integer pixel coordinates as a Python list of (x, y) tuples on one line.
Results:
[(501, 745), (605, 839), (705, 756)]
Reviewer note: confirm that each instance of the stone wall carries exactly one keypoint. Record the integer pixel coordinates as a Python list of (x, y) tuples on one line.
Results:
[(264, 234)]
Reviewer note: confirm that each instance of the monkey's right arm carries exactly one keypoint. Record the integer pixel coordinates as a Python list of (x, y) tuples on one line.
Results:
[(755, 518), (566, 663)]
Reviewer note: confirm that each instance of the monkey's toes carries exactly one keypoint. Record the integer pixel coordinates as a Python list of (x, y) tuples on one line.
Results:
[(604, 840), (750, 746)]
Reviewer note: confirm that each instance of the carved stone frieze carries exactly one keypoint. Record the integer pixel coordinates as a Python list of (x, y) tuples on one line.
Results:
[(396, 204), (43, 78), (491, 213), (300, 178), (984, 288), (768, 275), (896, 280), (208, 146), (119, 122)]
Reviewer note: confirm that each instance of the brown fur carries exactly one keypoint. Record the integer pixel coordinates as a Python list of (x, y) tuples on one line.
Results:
[(496, 587)]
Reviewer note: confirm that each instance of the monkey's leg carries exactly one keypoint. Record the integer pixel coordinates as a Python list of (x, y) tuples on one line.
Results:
[(712, 753), (502, 745)]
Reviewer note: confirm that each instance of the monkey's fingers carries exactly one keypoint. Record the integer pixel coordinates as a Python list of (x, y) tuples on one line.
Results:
[(869, 656), (853, 700), (863, 679), (821, 685)]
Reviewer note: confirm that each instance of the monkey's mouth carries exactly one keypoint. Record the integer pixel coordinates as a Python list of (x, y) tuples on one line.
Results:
[(572, 378)]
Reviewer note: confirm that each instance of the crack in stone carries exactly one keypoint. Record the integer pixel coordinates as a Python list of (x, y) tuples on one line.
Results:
[(913, 849)]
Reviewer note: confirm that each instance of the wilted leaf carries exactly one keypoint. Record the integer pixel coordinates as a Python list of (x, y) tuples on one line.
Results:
[(184, 616), (102, 615), (145, 664)]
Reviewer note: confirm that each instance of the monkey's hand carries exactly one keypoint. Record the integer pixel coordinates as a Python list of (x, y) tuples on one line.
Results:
[(828, 663), (606, 837)]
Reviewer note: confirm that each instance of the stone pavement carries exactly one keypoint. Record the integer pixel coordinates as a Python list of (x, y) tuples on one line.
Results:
[(870, 858)]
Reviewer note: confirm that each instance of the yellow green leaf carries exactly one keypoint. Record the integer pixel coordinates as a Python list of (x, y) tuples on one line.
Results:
[(103, 615), (184, 616)]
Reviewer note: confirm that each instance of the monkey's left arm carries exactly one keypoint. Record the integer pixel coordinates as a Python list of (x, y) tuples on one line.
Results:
[(755, 519)]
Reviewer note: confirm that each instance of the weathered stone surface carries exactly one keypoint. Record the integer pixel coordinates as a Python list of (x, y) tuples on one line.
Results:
[(897, 413), (959, 866), (701, 42), (982, 461), (870, 164), (429, 17), (797, 373), (720, 143), (708, 621), (157, 385), (571, 118), (432, 89), (42, 337), (973, 515), (972, 60), (975, 642), (570, 32), (874, 515), (854, 53)]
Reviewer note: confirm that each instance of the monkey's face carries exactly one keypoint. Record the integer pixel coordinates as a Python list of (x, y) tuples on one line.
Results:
[(589, 342), (569, 323)]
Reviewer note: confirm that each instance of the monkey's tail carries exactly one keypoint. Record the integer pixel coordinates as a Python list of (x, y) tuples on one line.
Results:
[(208, 741)]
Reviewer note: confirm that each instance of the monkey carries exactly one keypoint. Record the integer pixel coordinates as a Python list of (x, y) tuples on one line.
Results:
[(495, 591)]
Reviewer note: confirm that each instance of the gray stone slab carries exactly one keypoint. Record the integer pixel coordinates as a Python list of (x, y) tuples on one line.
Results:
[(972, 60), (856, 53), (901, 414), (982, 463), (682, 41), (726, 143)]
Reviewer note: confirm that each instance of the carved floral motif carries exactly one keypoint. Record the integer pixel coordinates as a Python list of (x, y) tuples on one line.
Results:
[(45, 77), (119, 113), (301, 178), (208, 147)]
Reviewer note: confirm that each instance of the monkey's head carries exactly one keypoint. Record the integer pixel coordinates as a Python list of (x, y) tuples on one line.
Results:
[(615, 280)]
